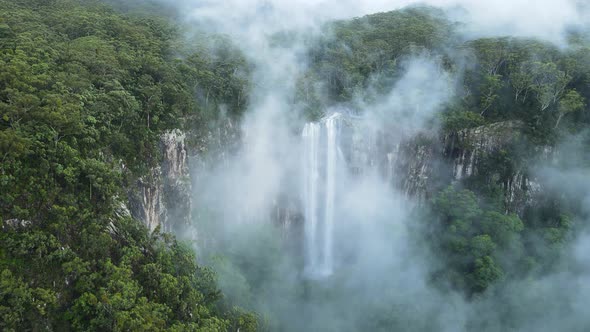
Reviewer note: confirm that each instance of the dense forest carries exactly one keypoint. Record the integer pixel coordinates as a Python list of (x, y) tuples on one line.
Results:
[(85, 93), (88, 87), (539, 87)]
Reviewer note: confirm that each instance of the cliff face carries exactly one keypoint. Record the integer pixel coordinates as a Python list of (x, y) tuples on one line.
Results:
[(417, 166), (468, 148), (476, 154), (176, 179), (420, 165), (479, 152), (163, 197)]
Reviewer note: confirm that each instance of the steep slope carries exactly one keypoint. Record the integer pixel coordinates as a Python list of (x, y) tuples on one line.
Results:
[(88, 100)]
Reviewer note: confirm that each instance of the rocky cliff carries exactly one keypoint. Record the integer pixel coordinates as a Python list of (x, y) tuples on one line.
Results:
[(163, 197), (476, 154), (418, 166), (422, 164)]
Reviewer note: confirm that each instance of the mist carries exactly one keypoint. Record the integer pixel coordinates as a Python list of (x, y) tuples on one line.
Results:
[(382, 262)]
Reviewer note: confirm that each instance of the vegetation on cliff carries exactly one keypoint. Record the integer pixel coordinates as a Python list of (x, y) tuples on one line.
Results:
[(85, 93), (537, 84), (88, 87)]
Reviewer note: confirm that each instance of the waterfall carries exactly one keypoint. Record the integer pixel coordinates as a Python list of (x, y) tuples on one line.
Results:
[(310, 192), (320, 159), (330, 191)]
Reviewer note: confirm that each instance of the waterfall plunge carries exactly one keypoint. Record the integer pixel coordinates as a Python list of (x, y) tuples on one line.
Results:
[(319, 193)]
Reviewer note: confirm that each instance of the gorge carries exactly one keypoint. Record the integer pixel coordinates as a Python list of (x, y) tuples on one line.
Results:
[(248, 165)]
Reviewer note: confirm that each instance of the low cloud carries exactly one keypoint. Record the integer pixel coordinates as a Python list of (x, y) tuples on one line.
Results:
[(544, 19), (387, 268)]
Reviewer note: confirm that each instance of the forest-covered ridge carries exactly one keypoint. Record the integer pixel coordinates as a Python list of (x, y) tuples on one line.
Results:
[(540, 88), (87, 88), (503, 78), (85, 94)]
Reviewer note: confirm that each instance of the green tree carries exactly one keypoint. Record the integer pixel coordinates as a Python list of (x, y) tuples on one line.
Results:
[(571, 102)]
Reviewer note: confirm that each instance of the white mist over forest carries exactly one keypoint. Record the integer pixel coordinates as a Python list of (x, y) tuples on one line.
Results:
[(359, 253), (305, 165)]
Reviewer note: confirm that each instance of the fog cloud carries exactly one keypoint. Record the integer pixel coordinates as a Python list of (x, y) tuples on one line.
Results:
[(387, 267), (544, 19)]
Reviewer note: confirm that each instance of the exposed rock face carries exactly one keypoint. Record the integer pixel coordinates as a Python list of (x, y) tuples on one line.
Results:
[(420, 165), (176, 180), (468, 148), (426, 163), (472, 150), (146, 205), (163, 198)]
